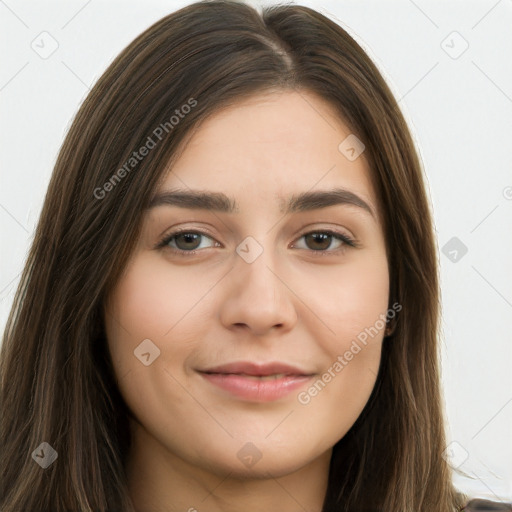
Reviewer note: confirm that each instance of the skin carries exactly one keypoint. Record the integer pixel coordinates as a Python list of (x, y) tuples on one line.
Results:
[(291, 304)]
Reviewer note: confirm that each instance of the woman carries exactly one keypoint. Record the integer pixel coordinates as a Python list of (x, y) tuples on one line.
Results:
[(267, 369)]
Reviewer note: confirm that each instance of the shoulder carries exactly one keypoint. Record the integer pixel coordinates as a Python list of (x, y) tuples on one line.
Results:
[(479, 505)]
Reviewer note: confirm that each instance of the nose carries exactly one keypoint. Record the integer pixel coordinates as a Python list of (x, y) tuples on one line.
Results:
[(258, 298)]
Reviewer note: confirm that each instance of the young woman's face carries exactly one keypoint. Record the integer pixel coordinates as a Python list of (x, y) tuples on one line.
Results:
[(260, 290)]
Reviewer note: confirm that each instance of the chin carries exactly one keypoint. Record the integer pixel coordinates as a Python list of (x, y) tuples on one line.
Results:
[(273, 467), (259, 460)]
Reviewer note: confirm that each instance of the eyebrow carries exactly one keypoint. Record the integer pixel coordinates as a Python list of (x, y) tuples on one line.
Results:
[(220, 202)]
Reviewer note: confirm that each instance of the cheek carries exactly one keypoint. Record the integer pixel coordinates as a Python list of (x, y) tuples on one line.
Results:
[(146, 303), (144, 306), (355, 312), (350, 309), (338, 396), (348, 299)]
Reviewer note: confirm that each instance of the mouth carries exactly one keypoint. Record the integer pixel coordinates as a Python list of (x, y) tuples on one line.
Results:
[(254, 382)]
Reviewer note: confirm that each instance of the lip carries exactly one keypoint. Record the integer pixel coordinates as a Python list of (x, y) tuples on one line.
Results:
[(257, 369), (257, 382)]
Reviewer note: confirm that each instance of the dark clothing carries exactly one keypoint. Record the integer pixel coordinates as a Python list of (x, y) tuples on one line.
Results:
[(487, 506)]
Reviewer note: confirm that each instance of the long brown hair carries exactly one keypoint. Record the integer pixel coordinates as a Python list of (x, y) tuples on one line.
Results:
[(57, 383)]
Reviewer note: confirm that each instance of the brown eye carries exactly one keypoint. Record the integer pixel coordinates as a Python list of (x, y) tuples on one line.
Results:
[(184, 241), (321, 241), (318, 241)]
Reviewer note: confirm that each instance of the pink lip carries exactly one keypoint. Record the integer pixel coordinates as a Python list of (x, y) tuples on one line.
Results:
[(239, 379)]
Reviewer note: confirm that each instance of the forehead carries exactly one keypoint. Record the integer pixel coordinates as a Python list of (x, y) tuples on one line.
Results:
[(270, 147)]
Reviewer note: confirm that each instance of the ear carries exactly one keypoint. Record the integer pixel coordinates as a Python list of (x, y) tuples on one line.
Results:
[(390, 328), (391, 322)]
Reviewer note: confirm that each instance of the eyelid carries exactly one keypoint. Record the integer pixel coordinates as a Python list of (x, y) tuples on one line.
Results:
[(348, 240), (165, 239), (338, 231)]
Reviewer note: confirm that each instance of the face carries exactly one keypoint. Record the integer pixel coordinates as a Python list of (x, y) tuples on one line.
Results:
[(296, 290)]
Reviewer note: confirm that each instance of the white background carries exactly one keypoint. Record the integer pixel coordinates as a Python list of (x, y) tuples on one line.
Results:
[(458, 105)]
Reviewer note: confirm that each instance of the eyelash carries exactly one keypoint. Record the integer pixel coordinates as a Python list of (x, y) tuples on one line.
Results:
[(347, 241)]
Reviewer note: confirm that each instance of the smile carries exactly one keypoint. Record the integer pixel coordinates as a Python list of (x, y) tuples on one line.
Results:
[(258, 388)]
